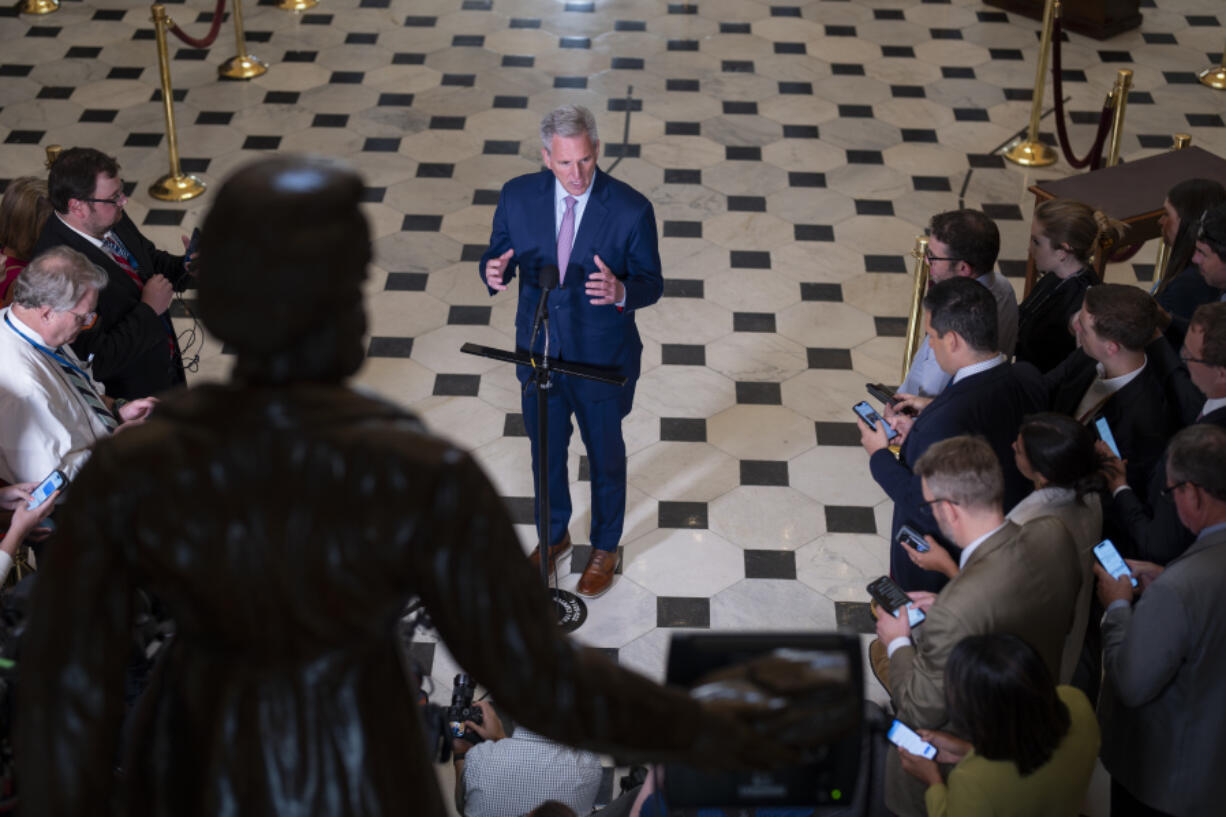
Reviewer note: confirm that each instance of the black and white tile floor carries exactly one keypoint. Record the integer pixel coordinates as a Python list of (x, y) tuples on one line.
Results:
[(793, 152)]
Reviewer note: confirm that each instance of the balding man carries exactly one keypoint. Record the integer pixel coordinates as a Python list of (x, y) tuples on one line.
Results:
[(53, 408)]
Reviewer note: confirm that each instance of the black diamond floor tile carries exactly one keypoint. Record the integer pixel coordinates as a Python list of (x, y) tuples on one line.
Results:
[(683, 612), (764, 472), (683, 429), (770, 564), (682, 515)]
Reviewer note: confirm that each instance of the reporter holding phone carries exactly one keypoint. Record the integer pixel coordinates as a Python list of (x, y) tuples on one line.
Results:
[(1032, 745), (1164, 652), (25, 520)]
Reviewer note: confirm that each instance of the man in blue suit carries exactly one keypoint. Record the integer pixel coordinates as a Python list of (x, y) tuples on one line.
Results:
[(600, 234), (987, 397)]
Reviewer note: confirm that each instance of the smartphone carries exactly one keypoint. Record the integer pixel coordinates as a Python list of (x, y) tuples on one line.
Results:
[(868, 415), (1104, 434), (882, 393), (54, 481), (1112, 561), (193, 244), (891, 598), (902, 735), (910, 537)]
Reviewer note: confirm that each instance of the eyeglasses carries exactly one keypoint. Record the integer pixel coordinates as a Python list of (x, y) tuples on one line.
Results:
[(115, 200), (929, 257), (927, 506), (1171, 489), (1183, 355), (84, 321)]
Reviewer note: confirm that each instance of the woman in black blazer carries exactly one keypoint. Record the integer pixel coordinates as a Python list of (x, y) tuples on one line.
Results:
[(1184, 289), (1063, 239)]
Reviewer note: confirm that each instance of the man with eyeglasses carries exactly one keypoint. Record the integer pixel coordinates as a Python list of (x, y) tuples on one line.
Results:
[(53, 410), (1014, 579), (1210, 255), (1153, 531), (1164, 651), (132, 347), (963, 244)]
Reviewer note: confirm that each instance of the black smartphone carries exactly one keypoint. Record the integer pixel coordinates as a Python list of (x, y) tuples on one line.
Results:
[(868, 415), (891, 598), (910, 537), (882, 393), (54, 481)]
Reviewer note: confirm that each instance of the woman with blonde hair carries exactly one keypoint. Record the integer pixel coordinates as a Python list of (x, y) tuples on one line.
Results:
[(23, 211), (1064, 237)]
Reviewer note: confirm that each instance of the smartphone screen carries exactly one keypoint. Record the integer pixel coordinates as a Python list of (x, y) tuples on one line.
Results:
[(54, 481), (1104, 434), (868, 415), (915, 616), (1112, 561), (910, 537), (902, 735)]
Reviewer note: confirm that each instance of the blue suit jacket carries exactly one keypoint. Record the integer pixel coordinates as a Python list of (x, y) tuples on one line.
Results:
[(619, 225), (990, 404)]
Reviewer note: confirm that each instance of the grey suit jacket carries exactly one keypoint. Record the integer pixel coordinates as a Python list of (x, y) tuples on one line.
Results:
[(1022, 580), (1162, 706)]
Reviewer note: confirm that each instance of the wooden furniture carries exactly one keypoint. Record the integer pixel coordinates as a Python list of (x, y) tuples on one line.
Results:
[(1100, 19), (1132, 192)]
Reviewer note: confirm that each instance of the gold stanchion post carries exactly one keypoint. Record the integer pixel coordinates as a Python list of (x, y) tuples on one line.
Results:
[(40, 6), (297, 5), (1123, 83), (1029, 151), (53, 153), (244, 65), (1215, 75), (1181, 141), (175, 185), (915, 320)]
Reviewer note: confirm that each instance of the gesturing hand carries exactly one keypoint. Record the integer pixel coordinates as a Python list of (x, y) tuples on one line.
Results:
[(603, 286), (496, 270)]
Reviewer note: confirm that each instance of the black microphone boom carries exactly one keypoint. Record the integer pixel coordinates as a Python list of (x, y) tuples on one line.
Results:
[(547, 280)]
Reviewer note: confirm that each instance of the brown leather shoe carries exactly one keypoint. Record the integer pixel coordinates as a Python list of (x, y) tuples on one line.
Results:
[(597, 577), (560, 549)]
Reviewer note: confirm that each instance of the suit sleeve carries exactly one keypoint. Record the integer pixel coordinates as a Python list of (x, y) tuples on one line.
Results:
[(500, 242), (1173, 372), (164, 263), (1144, 645), (644, 282), (133, 334), (1154, 532), (917, 673)]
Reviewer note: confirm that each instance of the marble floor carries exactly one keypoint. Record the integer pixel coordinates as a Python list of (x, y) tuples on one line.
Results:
[(793, 153)]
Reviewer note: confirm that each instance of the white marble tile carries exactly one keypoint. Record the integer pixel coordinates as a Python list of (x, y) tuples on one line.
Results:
[(683, 472), (840, 565), (751, 432), (836, 475), (767, 518), (771, 604), (683, 562)]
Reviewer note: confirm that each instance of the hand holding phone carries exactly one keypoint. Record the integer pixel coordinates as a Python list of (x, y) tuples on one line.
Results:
[(1112, 561), (54, 482), (912, 538), (1104, 434), (882, 393), (891, 598), (866, 413), (902, 735)]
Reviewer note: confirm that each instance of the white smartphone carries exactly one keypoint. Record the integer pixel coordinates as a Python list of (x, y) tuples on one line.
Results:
[(902, 735), (1112, 561), (54, 481)]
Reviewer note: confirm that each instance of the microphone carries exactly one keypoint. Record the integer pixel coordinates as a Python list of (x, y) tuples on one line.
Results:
[(546, 280)]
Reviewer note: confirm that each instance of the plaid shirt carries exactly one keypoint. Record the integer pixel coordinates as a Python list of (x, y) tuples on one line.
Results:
[(512, 776)]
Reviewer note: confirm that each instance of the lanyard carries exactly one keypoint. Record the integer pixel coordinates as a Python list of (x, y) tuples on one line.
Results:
[(47, 350)]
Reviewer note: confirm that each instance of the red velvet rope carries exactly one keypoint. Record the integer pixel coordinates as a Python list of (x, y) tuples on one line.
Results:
[(1094, 158), (1125, 253), (218, 14)]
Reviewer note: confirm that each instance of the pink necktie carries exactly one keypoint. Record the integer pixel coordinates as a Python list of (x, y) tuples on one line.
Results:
[(566, 237)]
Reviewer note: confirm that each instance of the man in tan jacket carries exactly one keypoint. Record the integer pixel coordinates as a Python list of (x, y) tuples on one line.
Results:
[(1020, 580)]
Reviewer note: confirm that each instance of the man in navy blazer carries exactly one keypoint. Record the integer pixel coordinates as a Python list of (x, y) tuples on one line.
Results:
[(987, 397), (600, 234)]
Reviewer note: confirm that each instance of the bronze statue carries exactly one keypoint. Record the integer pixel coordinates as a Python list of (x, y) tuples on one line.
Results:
[(284, 520)]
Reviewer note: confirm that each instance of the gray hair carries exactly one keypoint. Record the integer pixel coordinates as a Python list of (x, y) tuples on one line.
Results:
[(568, 121), (58, 278), (964, 470), (1196, 455)]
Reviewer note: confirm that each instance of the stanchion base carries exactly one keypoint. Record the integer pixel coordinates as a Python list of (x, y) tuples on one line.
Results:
[(571, 610), (242, 67), (1030, 154), (297, 5), (177, 188), (40, 6), (1214, 77)]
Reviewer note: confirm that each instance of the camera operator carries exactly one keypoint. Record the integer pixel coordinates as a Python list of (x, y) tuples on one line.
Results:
[(509, 775)]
